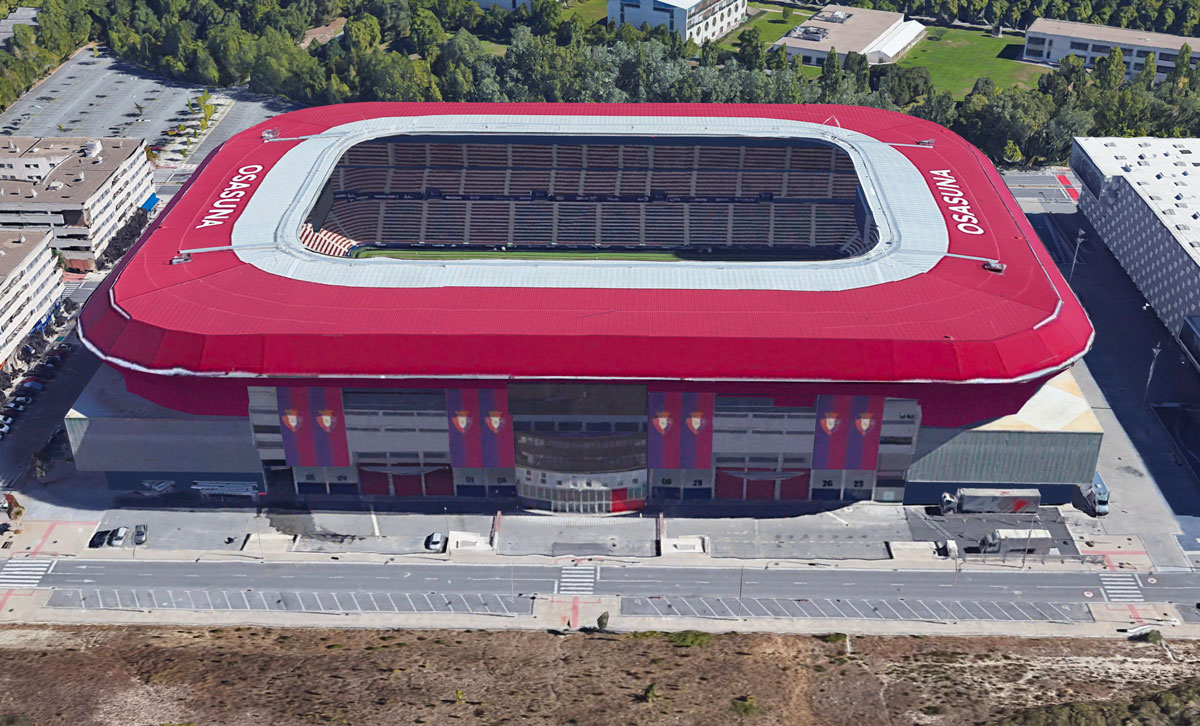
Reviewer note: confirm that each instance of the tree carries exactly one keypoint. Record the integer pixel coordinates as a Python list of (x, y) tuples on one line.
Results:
[(857, 67), (1183, 63), (831, 76), (1145, 77), (787, 14), (362, 33), (709, 55), (1012, 152), (1110, 70), (750, 53)]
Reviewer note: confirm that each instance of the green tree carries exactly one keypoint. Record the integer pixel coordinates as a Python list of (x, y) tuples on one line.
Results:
[(750, 52), (709, 54), (1145, 77), (831, 77), (1110, 70)]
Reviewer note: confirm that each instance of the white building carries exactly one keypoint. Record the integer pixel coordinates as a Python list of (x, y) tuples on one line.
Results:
[(883, 37), (31, 286), (697, 20), (1052, 40), (85, 190), (1142, 196)]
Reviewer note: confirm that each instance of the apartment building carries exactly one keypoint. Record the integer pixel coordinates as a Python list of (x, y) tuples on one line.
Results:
[(84, 190), (696, 20), (31, 286)]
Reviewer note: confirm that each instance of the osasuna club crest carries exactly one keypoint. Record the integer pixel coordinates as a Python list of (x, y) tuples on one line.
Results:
[(291, 418), (326, 420), (461, 421), (829, 422), (695, 422), (662, 422), (495, 421), (864, 422)]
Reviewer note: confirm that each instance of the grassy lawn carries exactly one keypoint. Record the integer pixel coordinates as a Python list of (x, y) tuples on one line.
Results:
[(955, 57), (490, 254), (589, 11), (770, 23), (493, 47)]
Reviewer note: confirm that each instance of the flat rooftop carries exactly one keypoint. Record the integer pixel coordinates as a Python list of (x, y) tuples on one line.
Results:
[(1165, 173), (1110, 35), (73, 175), (17, 244), (855, 32)]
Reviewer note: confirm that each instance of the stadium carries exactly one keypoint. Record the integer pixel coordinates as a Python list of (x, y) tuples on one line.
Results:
[(584, 307)]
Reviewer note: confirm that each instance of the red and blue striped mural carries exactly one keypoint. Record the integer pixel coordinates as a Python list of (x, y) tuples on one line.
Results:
[(680, 430), (313, 426), (481, 433), (847, 435)]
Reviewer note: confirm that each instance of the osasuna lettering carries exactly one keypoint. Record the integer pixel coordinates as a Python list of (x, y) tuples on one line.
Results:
[(230, 197), (952, 197)]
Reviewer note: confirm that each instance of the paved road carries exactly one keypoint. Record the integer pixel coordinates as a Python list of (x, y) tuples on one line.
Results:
[(31, 430), (612, 579)]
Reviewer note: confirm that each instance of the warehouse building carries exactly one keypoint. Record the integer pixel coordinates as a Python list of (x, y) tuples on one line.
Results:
[(1052, 40), (1142, 196), (84, 190), (881, 36)]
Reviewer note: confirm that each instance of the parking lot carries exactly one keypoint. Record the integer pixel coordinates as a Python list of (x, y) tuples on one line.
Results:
[(290, 601), (103, 96), (939, 611), (215, 530)]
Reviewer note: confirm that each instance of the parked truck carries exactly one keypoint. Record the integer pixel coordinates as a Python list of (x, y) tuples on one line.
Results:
[(1096, 495), (1016, 541), (992, 501)]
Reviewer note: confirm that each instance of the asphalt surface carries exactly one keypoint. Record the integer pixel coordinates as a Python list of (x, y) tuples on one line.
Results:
[(611, 579)]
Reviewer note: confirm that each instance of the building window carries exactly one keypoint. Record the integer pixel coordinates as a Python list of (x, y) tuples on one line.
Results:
[(1035, 40), (1033, 52)]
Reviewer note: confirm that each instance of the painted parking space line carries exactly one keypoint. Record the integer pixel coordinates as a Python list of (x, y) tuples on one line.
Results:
[(901, 610)]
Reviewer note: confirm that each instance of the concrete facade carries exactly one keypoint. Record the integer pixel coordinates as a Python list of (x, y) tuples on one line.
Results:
[(590, 452), (1050, 41)]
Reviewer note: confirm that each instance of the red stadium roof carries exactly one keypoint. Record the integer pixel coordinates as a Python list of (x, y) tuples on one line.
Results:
[(221, 315)]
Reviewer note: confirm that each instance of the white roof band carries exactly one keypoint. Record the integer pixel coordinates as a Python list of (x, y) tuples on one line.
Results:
[(899, 198)]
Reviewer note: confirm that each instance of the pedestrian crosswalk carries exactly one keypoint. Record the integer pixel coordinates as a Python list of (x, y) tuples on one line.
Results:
[(24, 573), (1121, 587), (577, 580)]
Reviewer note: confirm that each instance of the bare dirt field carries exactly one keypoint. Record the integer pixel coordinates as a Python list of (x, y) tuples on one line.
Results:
[(235, 676)]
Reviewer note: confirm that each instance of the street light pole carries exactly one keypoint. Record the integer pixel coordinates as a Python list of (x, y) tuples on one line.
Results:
[(1150, 376), (1075, 258)]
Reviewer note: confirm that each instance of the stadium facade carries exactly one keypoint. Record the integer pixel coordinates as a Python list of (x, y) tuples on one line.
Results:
[(585, 307)]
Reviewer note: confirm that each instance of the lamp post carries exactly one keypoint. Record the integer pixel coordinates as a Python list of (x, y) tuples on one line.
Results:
[(1150, 376)]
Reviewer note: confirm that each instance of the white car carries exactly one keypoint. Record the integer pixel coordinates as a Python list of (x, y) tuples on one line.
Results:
[(117, 538), (5, 428), (435, 542), (6, 420)]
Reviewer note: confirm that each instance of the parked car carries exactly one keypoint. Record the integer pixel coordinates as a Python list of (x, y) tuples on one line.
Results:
[(33, 385), (21, 400), (98, 539), (140, 533), (43, 371), (64, 347), (435, 542), (6, 420), (5, 428), (117, 537), (13, 409)]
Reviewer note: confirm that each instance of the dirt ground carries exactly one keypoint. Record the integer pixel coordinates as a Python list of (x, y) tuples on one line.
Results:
[(244, 676)]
